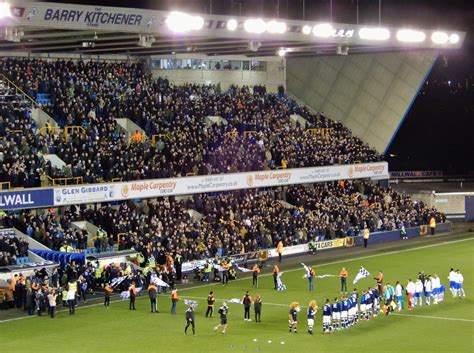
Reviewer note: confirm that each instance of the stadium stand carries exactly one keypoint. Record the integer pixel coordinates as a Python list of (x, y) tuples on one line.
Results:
[(86, 98), (12, 250), (232, 222)]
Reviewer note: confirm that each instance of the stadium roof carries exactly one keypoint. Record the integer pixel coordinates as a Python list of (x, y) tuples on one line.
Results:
[(68, 28)]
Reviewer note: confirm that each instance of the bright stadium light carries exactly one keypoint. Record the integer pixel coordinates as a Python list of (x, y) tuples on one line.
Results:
[(5, 10), (453, 38), (374, 33), (306, 29), (255, 25), (180, 22), (410, 36), (282, 52), (439, 37), (232, 25), (324, 30), (276, 27)]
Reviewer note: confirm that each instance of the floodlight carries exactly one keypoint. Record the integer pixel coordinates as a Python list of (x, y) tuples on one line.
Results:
[(5, 10), (181, 22), (255, 25), (281, 52), (453, 38), (324, 30), (276, 27), (374, 33), (410, 36), (439, 37), (232, 25), (306, 29)]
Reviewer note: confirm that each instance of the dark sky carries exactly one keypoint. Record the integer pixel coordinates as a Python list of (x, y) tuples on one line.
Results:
[(436, 133)]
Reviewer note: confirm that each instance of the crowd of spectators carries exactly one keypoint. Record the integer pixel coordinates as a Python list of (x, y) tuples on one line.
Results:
[(229, 223), (92, 94), (11, 248)]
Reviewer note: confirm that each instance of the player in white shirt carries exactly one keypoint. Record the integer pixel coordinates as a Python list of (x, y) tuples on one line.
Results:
[(452, 282), (418, 292), (459, 284), (399, 295), (410, 293), (436, 284), (428, 290)]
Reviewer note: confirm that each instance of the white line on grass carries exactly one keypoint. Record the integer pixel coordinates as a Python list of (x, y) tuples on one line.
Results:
[(434, 317), (292, 270)]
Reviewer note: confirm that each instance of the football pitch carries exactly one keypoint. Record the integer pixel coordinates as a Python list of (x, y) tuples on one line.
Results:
[(447, 327)]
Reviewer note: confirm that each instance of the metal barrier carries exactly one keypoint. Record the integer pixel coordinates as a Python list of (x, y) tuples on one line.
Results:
[(58, 181), (10, 84), (165, 136), (5, 183), (190, 174), (249, 132), (116, 180), (46, 129), (321, 131), (231, 134), (68, 129)]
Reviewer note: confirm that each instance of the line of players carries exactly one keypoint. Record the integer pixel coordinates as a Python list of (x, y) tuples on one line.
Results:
[(341, 314)]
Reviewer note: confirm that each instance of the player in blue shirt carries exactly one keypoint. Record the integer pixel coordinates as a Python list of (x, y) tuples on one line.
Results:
[(327, 312), (368, 304), (336, 314), (363, 309), (350, 318), (293, 316), (355, 298), (376, 296), (312, 309), (344, 307)]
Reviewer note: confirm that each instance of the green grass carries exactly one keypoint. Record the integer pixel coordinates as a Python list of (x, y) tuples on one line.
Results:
[(95, 329)]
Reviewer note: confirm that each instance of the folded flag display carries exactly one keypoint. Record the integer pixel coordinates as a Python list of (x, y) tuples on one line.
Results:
[(242, 269), (235, 301), (126, 294), (158, 281), (362, 274), (116, 281), (319, 276), (190, 302)]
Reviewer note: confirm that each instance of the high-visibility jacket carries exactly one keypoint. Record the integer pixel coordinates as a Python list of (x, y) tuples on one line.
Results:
[(256, 269), (108, 289), (379, 278), (366, 233), (344, 273), (174, 295), (280, 247), (13, 283), (276, 270), (432, 222)]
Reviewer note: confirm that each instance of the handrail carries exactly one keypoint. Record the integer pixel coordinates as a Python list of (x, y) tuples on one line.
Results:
[(116, 180), (326, 131), (9, 82), (15, 131), (190, 174)]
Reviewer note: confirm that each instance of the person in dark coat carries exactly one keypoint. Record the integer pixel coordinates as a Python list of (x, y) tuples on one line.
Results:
[(257, 305), (190, 320)]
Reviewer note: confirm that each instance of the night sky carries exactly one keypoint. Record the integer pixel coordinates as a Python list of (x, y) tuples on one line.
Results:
[(438, 132)]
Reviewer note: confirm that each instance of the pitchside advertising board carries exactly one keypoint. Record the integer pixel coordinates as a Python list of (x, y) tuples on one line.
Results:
[(141, 189), (32, 198)]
